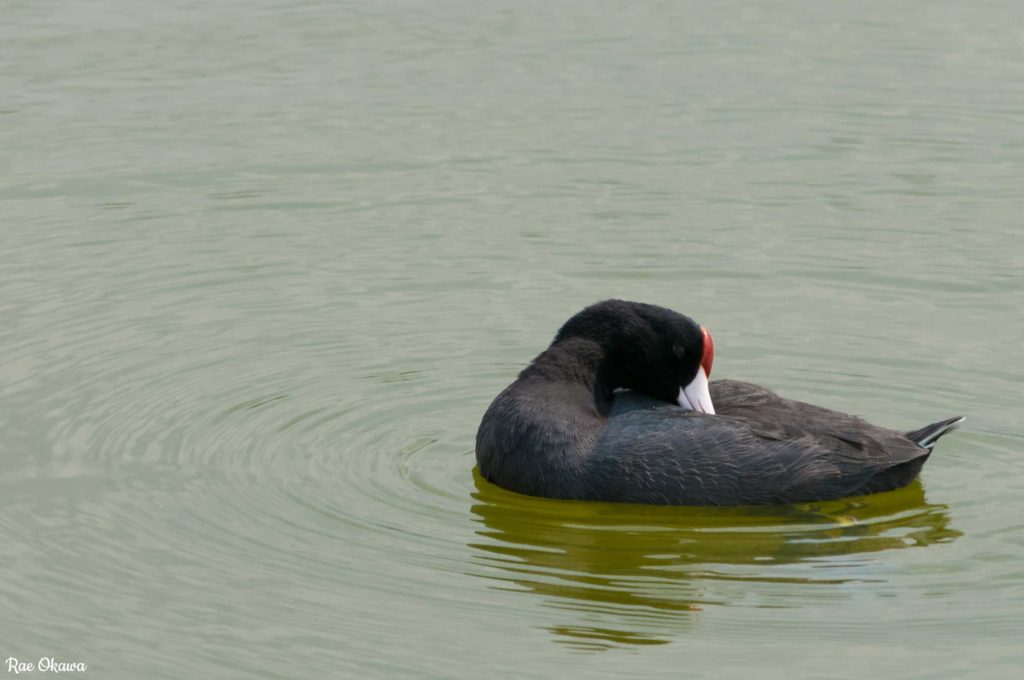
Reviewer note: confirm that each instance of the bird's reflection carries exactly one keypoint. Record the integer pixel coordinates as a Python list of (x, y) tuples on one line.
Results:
[(633, 575)]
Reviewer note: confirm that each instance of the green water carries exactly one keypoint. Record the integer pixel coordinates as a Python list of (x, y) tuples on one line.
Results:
[(264, 264)]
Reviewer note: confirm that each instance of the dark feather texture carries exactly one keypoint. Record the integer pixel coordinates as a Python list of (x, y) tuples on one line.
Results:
[(562, 430)]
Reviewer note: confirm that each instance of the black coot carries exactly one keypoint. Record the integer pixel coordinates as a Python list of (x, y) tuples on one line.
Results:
[(619, 408)]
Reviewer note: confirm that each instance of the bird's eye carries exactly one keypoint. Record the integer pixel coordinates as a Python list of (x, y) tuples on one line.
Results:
[(678, 350)]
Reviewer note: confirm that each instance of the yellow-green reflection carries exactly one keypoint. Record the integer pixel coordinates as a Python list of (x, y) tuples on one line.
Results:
[(635, 574)]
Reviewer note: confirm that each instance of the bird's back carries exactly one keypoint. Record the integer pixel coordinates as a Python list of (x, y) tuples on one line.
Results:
[(759, 449)]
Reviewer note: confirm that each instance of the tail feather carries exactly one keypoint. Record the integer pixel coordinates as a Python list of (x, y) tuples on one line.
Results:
[(929, 434)]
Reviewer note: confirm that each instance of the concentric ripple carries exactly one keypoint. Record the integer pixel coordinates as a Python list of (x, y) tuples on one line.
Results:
[(213, 456), (263, 266)]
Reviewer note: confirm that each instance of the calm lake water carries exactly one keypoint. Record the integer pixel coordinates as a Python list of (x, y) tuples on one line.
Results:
[(264, 265)]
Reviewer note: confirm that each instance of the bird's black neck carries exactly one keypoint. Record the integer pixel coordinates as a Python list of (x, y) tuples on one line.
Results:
[(581, 361)]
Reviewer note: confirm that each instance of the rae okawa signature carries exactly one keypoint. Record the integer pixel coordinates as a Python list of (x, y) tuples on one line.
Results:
[(47, 664)]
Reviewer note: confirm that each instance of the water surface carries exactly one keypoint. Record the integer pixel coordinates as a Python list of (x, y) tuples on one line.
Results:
[(263, 266)]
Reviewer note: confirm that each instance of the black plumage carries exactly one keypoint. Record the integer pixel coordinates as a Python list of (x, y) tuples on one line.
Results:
[(566, 429)]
